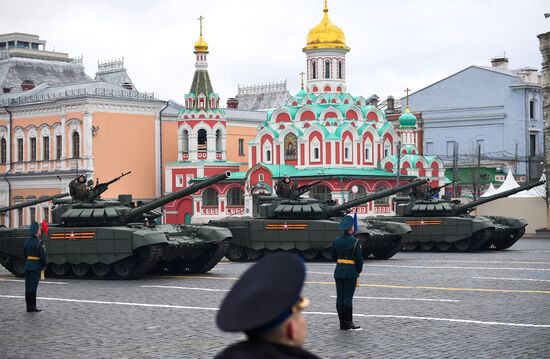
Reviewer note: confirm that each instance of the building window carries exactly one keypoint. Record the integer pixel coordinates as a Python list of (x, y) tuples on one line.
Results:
[(76, 145), (356, 191), (313, 69), (450, 148), (532, 145), (46, 214), (383, 200), (340, 70), (315, 151), (321, 193), (347, 150), (532, 109), (267, 153), (210, 198), (241, 147), (202, 140), (33, 149), (19, 150), (45, 148), (261, 177), (58, 146), (480, 143), (219, 140), (179, 180), (429, 148), (387, 149), (32, 212), (368, 151), (20, 217), (235, 197), (3, 150), (327, 69), (185, 141)]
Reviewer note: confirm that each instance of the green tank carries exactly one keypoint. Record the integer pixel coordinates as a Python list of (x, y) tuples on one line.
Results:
[(308, 227), (447, 225), (96, 238)]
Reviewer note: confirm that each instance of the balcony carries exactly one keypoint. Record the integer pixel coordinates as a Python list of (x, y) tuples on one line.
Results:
[(47, 165)]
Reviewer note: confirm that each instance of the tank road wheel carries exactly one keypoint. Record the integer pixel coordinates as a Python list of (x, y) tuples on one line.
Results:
[(463, 245), (309, 254), (252, 254), (59, 270), (124, 267), (427, 246), (18, 266), (410, 246), (327, 253), (80, 269), (101, 270), (207, 260), (234, 253), (444, 246)]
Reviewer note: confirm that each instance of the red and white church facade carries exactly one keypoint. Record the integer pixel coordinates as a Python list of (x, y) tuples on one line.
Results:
[(322, 132)]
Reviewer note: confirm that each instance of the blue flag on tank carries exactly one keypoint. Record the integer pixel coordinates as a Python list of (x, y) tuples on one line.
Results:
[(355, 225)]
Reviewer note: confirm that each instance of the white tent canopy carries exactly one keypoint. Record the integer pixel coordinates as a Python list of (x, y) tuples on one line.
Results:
[(490, 191), (509, 183), (539, 191)]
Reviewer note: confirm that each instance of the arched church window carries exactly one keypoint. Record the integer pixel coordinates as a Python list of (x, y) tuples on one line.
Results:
[(291, 143), (210, 198), (387, 149), (327, 69), (340, 70), (202, 139), (384, 200), (76, 144), (356, 191), (235, 197), (321, 193), (185, 141), (313, 69), (219, 140)]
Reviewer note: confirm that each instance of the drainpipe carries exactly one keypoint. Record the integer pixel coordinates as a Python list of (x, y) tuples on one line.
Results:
[(160, 150), (11, 156)]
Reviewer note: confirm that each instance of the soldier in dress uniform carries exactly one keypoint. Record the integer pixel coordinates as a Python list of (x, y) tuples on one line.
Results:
[(265, 303), (35, 262), (283, 188), (79, 189), (346, 250)]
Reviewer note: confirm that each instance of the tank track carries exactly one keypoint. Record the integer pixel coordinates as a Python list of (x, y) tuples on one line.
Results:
[(504, 239), (470, 244), (198, 264)]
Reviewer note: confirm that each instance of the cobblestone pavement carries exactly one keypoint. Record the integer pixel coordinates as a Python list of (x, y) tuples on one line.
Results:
[(415, 305)]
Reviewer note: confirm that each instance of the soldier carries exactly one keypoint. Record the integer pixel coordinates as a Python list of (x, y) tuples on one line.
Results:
[(282, 188), (265, 303), (35, 262), (348, 254), (79, 189)]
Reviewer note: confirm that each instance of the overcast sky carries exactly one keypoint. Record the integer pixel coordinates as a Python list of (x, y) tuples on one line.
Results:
[(394, 43)]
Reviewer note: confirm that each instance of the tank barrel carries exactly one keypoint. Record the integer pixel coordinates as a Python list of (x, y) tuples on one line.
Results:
[(377, 195), (32, 203), (176, 195), (465, 207)]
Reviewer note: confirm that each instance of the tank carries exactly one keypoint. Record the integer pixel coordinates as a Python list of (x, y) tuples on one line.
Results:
[(447, 225), (308, 227), (96, 238)]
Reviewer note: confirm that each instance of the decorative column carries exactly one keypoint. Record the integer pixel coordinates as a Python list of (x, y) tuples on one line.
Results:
[(87, 139), (211, 146), (193, 138), (544, 40)]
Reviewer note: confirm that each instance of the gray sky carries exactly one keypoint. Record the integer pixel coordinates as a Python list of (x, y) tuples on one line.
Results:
[(394, 43)]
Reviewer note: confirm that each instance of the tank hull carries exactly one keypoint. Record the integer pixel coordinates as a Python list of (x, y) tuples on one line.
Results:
[(118, 252), (255, 237), (456, 233)]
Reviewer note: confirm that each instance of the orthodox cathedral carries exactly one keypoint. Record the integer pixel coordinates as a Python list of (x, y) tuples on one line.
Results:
[(321, 133)]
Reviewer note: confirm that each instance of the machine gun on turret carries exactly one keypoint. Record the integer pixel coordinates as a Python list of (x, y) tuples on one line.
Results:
[(297, 192), (427, 192), (99, 188), (468, 207)]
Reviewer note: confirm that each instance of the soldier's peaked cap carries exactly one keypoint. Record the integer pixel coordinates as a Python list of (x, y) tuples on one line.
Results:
[(264, 295)]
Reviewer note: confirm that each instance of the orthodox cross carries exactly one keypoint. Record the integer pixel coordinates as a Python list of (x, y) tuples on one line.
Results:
[(200, 20), (302, 77), (407, 90)]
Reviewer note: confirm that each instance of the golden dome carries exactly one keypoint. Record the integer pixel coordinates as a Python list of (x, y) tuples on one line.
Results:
[(201, 45), (326, 35)]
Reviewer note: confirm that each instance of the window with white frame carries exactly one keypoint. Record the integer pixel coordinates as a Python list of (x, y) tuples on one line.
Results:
[(347, 150), (387, 148), (261, 177), (267, 152), (179, 180), (33, 149), (46, 148), (315, 150), (368, 150), (188, 179)]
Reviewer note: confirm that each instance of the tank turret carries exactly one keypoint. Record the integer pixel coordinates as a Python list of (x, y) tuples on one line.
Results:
[(33, 202), (300, 208), (97, 212)]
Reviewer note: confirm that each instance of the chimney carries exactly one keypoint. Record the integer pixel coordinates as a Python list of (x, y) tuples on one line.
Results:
[(233, 103), (390, 104), (374, 101), (500, 62)]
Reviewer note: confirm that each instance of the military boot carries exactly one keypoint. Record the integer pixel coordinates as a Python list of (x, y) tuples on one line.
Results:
[(33, 303), (28, 302), (341, 317), (349, 318)]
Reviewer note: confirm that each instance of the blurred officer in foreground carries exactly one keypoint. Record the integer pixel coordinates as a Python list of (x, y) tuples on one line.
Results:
[(349, 263), (265, 303), (35, 262)]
